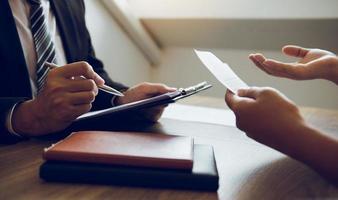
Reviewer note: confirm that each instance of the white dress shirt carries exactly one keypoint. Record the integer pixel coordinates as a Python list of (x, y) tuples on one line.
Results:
[(21, 13)]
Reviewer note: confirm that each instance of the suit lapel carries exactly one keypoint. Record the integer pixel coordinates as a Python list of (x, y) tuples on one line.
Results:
[(13, 64), (67, 27)]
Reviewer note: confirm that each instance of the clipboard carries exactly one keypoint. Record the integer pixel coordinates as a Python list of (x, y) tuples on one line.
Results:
[(168, 98)]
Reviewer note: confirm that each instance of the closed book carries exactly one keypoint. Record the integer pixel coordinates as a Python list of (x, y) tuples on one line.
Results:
[(204, 174), (124, 148)]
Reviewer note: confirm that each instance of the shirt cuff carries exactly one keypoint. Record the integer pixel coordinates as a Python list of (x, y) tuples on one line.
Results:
[(113, 103), (9, 124)]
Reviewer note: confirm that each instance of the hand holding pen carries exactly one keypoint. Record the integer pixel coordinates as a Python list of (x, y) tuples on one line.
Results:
[(60, 101), (104, 88)]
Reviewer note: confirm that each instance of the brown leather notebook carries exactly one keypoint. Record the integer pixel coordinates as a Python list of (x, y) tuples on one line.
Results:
[(124, 148)]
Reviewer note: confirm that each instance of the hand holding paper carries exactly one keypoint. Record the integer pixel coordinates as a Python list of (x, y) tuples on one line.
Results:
[(221, 71)]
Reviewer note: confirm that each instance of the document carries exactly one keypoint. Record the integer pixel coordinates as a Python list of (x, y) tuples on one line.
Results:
[(200, 114), (167, 98), (221, 71)]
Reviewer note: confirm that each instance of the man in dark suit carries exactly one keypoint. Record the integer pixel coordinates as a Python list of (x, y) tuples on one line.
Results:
[(36, 100)]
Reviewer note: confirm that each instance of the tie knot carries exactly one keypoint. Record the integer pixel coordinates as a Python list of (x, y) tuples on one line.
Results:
[(34, 1)]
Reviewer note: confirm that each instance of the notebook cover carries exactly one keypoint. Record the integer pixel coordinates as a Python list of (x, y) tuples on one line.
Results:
[(204, 175), (125, 148)]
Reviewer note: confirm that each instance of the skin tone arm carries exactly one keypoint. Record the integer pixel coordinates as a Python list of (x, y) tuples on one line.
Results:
[(268, 117), (284, 129), (312, 64), (64, 98)]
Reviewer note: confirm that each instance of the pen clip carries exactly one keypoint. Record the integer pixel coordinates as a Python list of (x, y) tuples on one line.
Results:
[(192, 89)]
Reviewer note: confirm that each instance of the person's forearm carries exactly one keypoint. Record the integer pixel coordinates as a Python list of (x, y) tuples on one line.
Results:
[(317, 150), (333, 72)]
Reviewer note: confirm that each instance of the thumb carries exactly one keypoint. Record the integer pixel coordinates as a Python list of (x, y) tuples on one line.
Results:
[(295, 51), (157, 89), (231, 99), (252, 92)]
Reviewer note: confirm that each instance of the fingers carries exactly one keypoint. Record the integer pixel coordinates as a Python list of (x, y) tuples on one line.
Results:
[(258, 59), (143, 91), (289, 70), (82, 98), (296, 51), (81, 85), (153, 89), (277, 68), (252, 92), (154, 114), (81, 103), (79, 69), (232, 100), (229, 99), (80, 109)]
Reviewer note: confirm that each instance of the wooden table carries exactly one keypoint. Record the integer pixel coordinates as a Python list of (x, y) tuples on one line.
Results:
[(248, 170)]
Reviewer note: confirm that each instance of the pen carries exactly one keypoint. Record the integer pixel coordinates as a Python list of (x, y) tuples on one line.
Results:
[(104, 88), (193, 88)]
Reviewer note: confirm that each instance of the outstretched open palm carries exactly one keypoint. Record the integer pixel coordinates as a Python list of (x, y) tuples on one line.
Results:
[(313, 63)]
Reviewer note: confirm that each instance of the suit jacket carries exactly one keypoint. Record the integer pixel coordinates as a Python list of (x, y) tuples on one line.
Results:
[(15, 81)]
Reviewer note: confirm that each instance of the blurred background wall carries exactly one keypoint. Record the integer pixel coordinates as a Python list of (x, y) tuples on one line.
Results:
[(232, 29), (123, 60)]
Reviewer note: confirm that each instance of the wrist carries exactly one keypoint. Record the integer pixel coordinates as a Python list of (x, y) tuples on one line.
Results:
[(24, 121), (335, 70), (319, 151), (304, 146), (117, 101), (293, 140), (332, 74)]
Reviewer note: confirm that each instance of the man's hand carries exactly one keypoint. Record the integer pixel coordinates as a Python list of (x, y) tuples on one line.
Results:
[(62, 99), (266, 116), (143, 91), (313, 64)]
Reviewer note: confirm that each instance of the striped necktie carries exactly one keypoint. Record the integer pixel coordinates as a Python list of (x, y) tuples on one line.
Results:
[(44, 46)]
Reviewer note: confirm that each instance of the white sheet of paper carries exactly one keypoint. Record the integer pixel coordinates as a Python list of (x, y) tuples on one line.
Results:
[(190, 113), (221, 71)]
